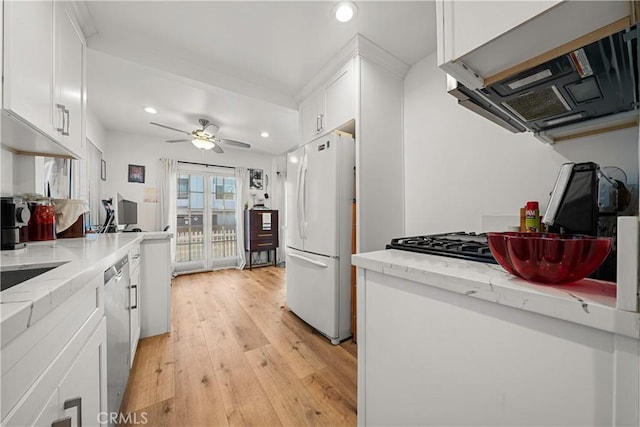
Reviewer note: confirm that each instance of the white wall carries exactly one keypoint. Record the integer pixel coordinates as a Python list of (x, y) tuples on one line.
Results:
[(122, 149), (459, 166), (6, 172), (96, 133)]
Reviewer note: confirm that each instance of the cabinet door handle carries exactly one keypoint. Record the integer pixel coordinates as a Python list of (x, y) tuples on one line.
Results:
[(133, 307), (317, 123), (66, 113), (77, 403), (62, 110), (321, 121), (62, 422), (136, 256)]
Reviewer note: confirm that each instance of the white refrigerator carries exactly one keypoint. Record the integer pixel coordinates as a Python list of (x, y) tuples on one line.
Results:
[(320, 192)]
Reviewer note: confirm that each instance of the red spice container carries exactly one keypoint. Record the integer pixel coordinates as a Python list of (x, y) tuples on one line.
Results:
[(532, 217)]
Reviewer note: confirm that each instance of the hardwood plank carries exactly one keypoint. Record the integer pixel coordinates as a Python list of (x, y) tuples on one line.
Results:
[(198, 397), (267, 316), (152, 374), (335, 395), (292, 401), (245, 401), (215, 382), (161, 414)]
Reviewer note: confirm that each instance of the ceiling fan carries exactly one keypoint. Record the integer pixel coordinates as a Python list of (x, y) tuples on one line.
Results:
[(203, 138)]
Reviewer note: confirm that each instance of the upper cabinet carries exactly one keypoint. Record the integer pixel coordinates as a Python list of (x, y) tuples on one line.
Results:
[(329, 106), (481, 42), (43, 79)]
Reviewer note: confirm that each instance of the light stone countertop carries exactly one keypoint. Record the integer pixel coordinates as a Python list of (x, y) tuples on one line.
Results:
[(588, 302), (83, 260)]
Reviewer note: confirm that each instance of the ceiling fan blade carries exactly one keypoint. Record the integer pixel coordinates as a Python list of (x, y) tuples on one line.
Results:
[(234, 143), (169, 127), (178, 140), (217, 149)]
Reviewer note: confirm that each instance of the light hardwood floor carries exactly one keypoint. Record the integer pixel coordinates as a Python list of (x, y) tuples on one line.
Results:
[(237, 356)]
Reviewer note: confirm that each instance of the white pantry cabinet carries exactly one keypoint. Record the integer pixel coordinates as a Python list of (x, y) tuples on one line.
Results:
[(361, 90), (60, 358), (330, 106), (43, 79), (480, 42)]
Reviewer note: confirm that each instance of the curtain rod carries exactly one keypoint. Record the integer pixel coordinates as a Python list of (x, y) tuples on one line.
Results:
[(205, 164)]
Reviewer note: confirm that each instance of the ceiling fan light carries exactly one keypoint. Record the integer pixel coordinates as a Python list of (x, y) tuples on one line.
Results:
[(345, 11), (203, 144)]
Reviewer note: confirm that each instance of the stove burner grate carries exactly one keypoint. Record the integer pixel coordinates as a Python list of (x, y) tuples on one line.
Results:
[(469, 246)]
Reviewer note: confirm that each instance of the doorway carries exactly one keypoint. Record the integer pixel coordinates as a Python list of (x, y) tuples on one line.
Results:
[(206, 237)]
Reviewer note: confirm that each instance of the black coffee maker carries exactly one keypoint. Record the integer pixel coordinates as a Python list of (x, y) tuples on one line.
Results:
[(585, 201), (15, 214)]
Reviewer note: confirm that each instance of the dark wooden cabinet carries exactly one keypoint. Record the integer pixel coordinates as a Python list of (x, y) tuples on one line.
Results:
[(261, 232)]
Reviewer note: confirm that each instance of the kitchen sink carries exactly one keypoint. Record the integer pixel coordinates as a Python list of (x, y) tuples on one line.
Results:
[(11, 276)]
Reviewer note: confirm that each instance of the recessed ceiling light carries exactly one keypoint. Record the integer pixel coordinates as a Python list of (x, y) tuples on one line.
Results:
[(345, 11), (150, 110), (265, 134)]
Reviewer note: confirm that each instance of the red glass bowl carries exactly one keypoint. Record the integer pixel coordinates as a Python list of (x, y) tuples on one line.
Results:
[(547, 257)]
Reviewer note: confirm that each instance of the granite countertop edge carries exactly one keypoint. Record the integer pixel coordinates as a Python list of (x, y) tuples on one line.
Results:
[(84, 259), (588, 302)]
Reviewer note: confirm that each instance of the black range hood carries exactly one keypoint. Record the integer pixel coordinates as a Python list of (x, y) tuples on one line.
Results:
[(588, 88)]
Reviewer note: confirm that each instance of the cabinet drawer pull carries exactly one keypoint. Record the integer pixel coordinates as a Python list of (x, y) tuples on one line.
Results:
[(66, 113), (135, 306), (265, 235), (136, 256), (77, 403), (62, 422), (62, 110), (265, 244)]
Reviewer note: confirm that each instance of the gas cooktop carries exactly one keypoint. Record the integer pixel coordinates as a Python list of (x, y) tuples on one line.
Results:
[(469, 246)]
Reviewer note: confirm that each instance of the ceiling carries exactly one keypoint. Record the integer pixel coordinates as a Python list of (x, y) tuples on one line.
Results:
[(238, 63)]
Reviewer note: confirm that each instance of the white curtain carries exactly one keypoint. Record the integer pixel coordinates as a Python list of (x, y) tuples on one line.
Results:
[(167, 199), (242, 197)]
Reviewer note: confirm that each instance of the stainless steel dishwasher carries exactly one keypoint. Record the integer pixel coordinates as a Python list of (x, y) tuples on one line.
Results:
[(116, 291)]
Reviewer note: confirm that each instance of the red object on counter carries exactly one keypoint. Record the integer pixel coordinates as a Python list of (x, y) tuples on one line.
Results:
[(548, 257), (42, 225)]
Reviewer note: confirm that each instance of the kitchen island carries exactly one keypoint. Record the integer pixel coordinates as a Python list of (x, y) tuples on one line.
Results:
[(443, 341), (53, 327)]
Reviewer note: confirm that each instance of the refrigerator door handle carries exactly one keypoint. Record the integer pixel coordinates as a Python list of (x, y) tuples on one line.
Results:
[(309, 260), (304, 201), (299, 197)]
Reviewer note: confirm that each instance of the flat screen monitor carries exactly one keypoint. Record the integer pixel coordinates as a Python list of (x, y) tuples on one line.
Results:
[(127, 212)]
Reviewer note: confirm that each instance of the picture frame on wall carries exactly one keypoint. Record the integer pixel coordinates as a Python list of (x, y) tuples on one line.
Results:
[(136, 173), (103, 170), (255, 179)]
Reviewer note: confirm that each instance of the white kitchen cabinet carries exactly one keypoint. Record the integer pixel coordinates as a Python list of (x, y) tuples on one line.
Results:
[(68, 77), (43, 79), (60, 357), (312, 115), (28, 62), (155, 299), (480, 42), (362, 89), (80, 390), (330, 106), (502, 365)]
